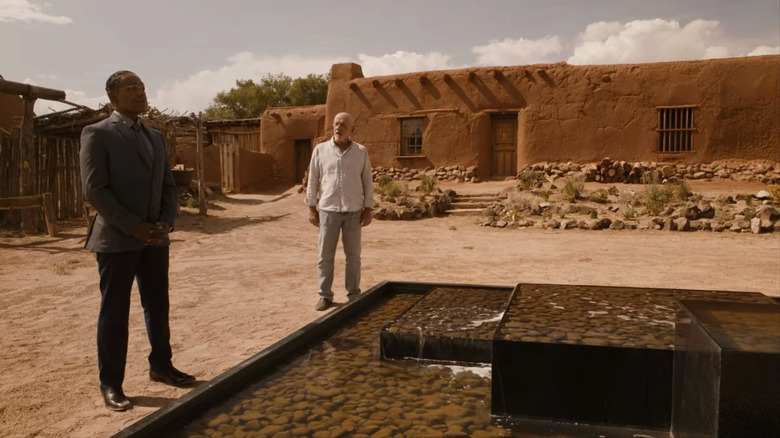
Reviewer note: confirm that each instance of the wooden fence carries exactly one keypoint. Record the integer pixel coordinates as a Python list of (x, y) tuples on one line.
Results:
[(57, 165)]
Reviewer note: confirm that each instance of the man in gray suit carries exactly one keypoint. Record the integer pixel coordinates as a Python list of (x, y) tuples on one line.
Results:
[(127, 178)]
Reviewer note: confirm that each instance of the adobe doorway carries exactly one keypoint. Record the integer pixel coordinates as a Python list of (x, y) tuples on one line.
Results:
[(302, 158), (503, 145)]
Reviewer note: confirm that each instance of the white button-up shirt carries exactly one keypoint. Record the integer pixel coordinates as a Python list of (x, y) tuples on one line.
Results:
[(343, 180)]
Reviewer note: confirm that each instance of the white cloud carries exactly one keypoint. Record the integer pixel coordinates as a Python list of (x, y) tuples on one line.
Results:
[(519, 51), (648, 41), (404, 62), (195, 93), (765, 50), (25, 11)]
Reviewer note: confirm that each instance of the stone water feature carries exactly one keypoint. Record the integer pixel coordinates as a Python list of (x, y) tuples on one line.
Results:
[(428, 360)]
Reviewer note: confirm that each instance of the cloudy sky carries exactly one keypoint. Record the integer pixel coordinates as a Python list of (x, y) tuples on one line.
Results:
[(188, 50)]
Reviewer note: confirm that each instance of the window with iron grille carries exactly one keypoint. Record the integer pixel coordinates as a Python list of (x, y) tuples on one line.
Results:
[(412, 136), (676, 126)]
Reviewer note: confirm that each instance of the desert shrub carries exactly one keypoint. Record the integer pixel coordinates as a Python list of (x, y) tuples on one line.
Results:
[(775, 192), (386, 186), (545, 194), (628, 197), (593, 213), (427, 184), (600, 196), (656, 198), (527, 179), (382, 182), (519, 201), (572, 190), (628, 212), (681, 190), (511, 215), (749, 213)]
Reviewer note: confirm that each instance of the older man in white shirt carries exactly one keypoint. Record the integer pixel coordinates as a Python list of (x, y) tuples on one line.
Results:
[(340, 196)]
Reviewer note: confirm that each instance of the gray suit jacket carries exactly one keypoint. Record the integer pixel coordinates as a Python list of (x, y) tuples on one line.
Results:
[(124, 184)]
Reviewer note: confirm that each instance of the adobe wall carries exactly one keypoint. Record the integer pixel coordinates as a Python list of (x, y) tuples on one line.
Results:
[(281, 127), (11, 111), (577, 113)]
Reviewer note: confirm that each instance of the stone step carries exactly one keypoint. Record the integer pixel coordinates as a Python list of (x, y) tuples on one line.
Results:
[(465, 212), (469, 204), (478, 195), (476, 199)]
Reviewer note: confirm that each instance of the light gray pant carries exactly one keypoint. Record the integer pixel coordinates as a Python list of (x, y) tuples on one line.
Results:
[(348, 224)]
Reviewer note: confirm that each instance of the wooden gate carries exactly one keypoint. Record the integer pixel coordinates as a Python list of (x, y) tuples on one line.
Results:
[(503, 145), (228, 161)]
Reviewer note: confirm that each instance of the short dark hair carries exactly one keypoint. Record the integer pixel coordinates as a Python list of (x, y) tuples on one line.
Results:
[(116, 79)]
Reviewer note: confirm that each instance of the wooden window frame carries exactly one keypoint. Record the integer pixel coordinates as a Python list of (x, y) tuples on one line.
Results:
[(676, 126), (411, 145)]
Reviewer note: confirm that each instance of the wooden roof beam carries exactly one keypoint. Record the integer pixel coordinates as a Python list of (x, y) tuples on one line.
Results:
[(30, 91)]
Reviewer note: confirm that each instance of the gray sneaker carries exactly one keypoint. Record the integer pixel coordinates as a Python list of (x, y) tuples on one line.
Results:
[(322, 304)]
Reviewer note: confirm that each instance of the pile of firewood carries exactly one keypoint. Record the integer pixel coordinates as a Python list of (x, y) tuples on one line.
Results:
[(608, 171)]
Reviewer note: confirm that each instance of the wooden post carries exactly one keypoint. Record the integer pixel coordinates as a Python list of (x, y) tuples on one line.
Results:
[(201, 172), (28, 165), (50, 214)]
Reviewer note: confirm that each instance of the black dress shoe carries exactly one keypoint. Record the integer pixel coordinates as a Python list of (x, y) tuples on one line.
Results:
[(171, 376), (115, 399)]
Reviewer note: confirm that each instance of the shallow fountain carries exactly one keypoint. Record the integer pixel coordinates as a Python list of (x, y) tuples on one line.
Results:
[(421, 359)]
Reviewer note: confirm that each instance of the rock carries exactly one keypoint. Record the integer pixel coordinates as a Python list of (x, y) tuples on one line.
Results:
[(705, 210), (617, 224), (218, 420), (682, 224), (501, 224), (670, 224), (768, 214), (763, 194), (755, 225)]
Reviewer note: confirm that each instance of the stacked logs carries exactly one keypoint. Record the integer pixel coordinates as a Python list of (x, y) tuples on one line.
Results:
[(608, 171)]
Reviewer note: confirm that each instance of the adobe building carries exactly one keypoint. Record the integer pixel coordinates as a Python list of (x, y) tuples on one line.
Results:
[(500, 119)]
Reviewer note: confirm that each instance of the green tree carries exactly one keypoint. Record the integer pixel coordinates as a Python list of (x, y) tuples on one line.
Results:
[(249, 99)]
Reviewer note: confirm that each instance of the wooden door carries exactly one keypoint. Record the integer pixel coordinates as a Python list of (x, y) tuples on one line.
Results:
[(302, 158), (228, 159), (503, 147)]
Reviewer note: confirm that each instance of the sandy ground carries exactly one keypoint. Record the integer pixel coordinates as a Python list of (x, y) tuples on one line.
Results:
[(244, 277)]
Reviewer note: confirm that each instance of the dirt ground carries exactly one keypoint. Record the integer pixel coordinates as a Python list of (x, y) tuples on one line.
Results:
[(243, 277)]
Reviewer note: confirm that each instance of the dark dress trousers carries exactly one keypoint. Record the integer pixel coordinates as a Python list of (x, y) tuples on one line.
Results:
[(128, 183)]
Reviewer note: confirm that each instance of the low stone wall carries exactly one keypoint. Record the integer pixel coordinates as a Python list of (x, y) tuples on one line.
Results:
[(605, 171), (608, 171), (759, 213), (441, 173)]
